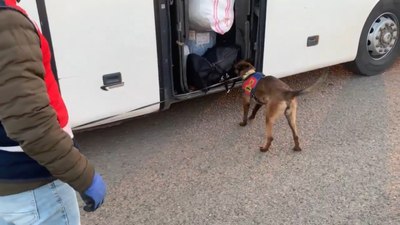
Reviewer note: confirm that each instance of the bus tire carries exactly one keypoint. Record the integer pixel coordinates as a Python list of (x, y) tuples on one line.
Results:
[(379, 43)]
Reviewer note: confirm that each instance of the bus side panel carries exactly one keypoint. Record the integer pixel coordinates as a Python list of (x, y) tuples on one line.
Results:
[(289, 24), (94, 38)]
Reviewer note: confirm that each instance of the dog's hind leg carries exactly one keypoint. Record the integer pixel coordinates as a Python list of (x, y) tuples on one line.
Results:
[(274, 109), (255, 110), (290, 114)]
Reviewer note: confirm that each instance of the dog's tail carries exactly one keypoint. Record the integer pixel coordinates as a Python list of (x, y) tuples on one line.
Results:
[(317, 83)]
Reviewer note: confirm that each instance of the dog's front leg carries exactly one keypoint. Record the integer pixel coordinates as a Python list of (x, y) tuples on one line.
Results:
[(246, 106)]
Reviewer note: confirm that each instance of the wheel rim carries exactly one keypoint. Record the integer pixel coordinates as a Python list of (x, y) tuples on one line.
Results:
[(383, 36)]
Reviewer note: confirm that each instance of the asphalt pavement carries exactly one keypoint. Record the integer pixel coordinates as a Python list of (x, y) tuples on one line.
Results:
[(194, 164)]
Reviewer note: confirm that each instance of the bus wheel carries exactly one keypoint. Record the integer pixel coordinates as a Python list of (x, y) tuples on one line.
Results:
[(379, 44)]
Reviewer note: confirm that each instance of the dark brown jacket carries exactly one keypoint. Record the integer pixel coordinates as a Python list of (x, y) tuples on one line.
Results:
[(25, 111)]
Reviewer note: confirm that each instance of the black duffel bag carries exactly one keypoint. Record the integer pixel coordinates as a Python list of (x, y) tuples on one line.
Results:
[(213, 67)]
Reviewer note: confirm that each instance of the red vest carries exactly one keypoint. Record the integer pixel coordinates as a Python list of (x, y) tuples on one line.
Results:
[(251, 82), (56, 100), (53, 92)]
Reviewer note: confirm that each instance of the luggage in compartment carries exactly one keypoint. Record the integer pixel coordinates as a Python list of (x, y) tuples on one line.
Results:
[(198, 42), (211, 15), (213, 67), (208, 52)]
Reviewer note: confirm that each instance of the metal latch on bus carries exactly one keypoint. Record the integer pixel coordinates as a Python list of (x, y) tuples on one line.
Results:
[(112, 80), (312, 40)]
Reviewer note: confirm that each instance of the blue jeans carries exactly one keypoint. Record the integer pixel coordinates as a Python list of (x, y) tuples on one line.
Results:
[(51, 204)]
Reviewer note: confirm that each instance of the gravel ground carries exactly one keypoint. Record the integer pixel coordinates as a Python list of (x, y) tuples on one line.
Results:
[(194, 164)]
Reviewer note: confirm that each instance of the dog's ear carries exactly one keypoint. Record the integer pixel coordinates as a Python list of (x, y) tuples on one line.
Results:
[(242, 67), (249, 60)]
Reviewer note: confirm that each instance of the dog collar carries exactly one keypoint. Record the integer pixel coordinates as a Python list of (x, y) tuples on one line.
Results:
[(248, 73)]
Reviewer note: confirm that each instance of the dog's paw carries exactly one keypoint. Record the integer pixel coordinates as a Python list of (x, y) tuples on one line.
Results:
[(252, 117), (297, 149), (263, 149), (242, 124)]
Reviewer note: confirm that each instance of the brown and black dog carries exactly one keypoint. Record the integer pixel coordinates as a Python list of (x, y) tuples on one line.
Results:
[(276, 95)]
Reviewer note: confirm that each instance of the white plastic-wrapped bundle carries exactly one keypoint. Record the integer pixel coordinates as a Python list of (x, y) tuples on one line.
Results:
[(211, 15)]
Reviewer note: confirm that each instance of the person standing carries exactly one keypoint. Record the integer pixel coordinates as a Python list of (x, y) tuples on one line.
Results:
[(40, 169)]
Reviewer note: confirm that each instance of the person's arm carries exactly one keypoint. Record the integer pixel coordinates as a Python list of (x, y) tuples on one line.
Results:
[(24, 104)]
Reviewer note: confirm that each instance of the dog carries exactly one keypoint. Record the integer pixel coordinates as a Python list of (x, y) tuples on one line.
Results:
[(276, 95)]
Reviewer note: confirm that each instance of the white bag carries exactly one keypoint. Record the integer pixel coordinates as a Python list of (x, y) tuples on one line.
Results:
[(211, 15)]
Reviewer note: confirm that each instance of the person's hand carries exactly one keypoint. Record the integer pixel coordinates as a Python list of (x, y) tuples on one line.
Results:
[(94, 195)]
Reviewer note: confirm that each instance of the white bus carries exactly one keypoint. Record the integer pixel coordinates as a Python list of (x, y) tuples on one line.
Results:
[(125, 58)]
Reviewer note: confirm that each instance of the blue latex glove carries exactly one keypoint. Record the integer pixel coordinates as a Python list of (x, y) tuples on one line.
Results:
[(94, 195)]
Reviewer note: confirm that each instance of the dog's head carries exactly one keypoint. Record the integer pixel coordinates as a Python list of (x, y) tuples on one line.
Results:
[(243, 67)]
